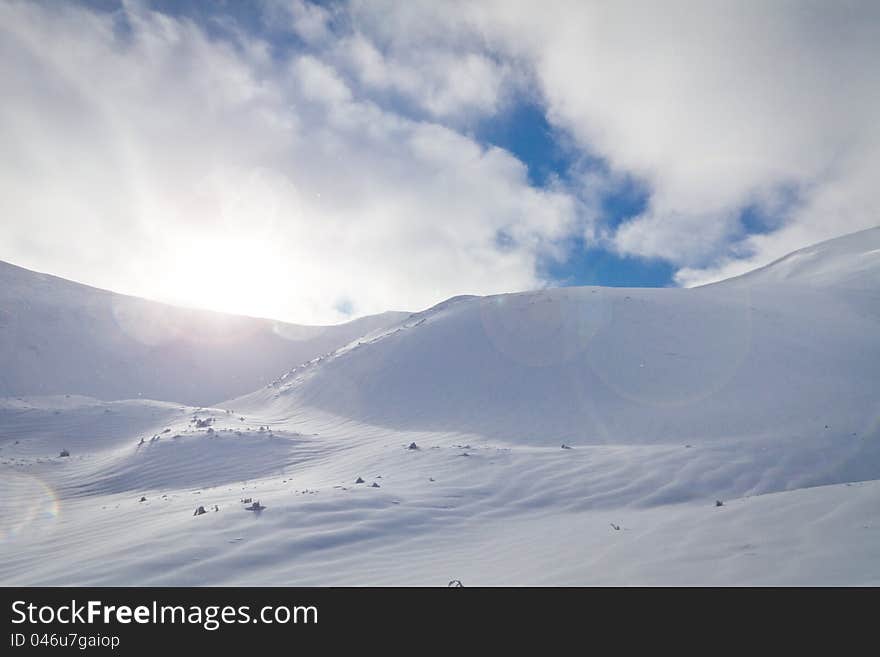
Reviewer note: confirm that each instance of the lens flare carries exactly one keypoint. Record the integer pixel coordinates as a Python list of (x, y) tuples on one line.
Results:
[(676, 354), (27, 505), (543, 330)]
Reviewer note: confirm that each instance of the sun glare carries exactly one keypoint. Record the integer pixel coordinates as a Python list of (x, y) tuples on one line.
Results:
[(240, 276)]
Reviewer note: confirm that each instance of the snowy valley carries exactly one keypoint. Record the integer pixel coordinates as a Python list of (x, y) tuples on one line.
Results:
[(721, 435)]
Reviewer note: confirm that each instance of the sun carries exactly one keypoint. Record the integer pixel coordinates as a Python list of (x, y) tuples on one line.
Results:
[(241, 275)]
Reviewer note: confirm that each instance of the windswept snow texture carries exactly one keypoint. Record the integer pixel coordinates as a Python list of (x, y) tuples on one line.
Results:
[(59, 337), (723, 435)]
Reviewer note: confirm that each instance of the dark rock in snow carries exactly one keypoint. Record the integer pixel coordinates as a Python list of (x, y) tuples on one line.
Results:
[(358, 481), (200, 511), (374, 485), (719, 503), (64, 452), (413, 446)]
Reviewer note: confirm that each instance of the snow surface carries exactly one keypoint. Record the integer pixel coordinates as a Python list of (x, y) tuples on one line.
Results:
[(850, 261), (60, 337), (762, 393)]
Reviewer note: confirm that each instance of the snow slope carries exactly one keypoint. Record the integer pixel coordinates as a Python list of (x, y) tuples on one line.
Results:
[(57, 337), (850, 261), (762, 393)]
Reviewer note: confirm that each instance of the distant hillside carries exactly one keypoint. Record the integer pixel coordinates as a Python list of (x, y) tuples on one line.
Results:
[(57, 336)]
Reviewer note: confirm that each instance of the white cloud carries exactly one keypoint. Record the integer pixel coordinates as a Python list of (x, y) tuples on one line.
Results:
[(309, 21), (294, 184), (717, 106), (425, 55), (138, 154), (442, 83)]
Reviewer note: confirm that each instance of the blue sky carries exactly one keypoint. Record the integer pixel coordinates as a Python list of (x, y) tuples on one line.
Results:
[(523, 130), (353, 157)]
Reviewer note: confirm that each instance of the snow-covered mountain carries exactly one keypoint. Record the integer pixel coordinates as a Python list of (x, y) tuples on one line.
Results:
[(728, 434), (639, 366), (848, 262), (58, 337)]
